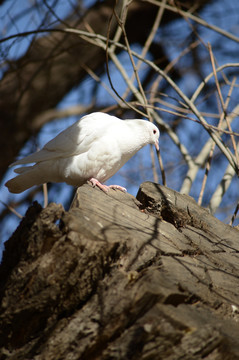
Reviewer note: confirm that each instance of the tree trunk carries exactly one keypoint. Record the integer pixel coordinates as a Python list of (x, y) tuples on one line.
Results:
[(116, 277)]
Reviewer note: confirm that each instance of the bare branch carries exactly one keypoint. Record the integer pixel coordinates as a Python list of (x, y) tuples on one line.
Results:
[(196, 19), (222, 187)]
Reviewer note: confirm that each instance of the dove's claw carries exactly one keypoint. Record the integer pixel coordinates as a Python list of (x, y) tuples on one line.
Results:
[(106, 188), (95, 182), (118, 187)]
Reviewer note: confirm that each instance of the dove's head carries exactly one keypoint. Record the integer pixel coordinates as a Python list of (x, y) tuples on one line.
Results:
[(153, 134), (142, 132)]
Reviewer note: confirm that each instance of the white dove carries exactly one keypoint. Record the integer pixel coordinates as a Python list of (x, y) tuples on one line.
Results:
[(92, 149)]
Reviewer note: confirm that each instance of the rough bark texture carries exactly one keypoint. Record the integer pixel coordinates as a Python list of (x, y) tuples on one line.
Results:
[(120, 278)]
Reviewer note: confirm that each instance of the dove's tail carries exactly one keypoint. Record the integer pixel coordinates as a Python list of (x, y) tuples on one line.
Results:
[(29, 176)]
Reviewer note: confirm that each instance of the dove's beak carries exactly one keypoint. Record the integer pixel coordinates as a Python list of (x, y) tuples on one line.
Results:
[(156, 144)]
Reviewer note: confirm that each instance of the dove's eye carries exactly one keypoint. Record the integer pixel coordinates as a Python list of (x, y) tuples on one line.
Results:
[(154, 131)]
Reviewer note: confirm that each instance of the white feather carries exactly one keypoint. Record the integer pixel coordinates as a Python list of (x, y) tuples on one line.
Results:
[(96, 146)]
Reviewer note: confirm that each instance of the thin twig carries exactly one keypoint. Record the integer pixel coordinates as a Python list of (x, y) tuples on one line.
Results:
[(148, 42), (216, 79), (110, 52), (223, 115), (208, 77), (102, 83), (230, 171), (45, 193), (10, 208), (216, 116), (121, 24), (153, 162), (118, 32), (49, 115), (221, 189), (196, 19), (169, 67), (202, 156), (234, 214), (230, 130), (208, 166), (162, 168), (187, 157), (128, 82)]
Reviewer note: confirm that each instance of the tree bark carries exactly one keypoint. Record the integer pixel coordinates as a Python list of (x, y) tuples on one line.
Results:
[(121, 278)]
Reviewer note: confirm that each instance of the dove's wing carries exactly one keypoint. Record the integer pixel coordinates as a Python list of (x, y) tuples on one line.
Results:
[(75, 140), (94, 149)]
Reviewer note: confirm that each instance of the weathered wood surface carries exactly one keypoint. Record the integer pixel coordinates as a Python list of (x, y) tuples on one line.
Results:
[(120, 278)]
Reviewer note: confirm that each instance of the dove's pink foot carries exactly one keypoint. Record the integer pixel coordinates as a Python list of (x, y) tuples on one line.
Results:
[(117, 187), (106, 188)]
